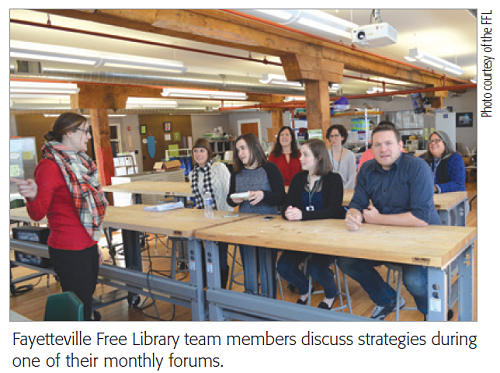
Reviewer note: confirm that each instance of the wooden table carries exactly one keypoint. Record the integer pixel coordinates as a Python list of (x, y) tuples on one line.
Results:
[(133, 220), (434, 247), (451, 207), (177, 189)]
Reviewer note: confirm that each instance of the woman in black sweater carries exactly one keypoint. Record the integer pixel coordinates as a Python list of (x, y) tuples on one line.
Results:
[(314, 193)]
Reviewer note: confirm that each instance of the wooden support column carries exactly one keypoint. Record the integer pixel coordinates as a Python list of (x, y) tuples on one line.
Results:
[(102, 145), (99, 99), (316, 73), (317, 105)]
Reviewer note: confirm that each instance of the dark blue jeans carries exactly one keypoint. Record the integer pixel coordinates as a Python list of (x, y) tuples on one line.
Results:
[(380, 292), (318, 267)]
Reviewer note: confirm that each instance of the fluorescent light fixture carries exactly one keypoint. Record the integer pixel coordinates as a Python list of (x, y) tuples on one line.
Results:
[(141, 63), (278, 79), (313, 21), (326, 23), (46, 52), (144, 102), (379, 90), (373, 90), (294, 98), (431, 60), (42, 88), (208, 95)]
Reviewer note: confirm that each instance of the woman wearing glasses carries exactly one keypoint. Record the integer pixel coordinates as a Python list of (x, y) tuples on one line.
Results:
[(343, 160), (67, 190), (447, 165)]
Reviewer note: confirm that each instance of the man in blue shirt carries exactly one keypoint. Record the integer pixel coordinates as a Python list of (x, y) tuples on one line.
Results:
[(401, 190)]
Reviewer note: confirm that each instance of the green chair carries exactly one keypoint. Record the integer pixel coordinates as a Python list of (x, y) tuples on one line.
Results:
[(65, 306)]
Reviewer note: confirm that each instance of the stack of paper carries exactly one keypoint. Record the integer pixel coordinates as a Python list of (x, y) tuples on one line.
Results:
[(165, 206)]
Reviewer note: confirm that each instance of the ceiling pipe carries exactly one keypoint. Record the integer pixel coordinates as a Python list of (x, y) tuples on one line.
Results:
[(192, 80), (297, 104)]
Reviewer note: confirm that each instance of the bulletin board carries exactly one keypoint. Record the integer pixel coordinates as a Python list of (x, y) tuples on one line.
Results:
[(22, 159)]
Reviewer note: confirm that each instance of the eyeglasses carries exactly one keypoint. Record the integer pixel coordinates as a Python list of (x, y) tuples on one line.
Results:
[(336, 136), (84, 130), (435, 141)]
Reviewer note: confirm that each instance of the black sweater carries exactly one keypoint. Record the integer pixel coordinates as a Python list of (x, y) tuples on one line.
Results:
[(332, 194)]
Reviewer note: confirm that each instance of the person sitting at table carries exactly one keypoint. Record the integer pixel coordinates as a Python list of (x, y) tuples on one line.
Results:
[(315, 193), (213, 177), (263, 181), (401, 189), (447, 166), (343, 160), (368, 153), (286, 154)]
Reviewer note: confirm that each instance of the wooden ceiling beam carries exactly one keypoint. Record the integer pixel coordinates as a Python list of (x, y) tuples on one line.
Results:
[(221, 28), (101, 96)]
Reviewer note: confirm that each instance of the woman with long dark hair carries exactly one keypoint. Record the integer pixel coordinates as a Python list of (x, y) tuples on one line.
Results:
[(286, 154), (262, 183)]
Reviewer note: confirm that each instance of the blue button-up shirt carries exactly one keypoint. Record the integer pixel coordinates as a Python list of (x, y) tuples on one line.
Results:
[(406, 187)]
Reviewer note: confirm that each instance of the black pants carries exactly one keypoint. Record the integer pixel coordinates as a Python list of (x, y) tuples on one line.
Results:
[(77, 271)]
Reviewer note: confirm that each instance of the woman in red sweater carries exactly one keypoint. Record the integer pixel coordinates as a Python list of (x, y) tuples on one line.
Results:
[(286, 154), (66, 189)]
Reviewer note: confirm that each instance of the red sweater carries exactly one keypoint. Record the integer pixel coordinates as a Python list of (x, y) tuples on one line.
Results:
[(54, 201), (288, 170)]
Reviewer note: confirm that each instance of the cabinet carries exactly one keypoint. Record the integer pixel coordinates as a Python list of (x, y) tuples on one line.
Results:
[(219, 147)]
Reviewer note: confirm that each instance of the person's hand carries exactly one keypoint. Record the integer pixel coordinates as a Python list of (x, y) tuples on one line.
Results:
[(293, 213), (353, 220), (371, 215), (101, 256), (27, 188), (256, 197)]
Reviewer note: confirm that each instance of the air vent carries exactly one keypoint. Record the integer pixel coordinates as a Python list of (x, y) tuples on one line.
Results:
[(28, 67)]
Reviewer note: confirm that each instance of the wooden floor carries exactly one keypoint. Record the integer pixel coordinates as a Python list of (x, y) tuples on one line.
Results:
[(32, 303)]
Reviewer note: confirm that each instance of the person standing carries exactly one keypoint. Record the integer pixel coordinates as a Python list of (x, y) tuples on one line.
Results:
[(400, 188), (286, 154), (67, 190), (343, 160), (212, 177)]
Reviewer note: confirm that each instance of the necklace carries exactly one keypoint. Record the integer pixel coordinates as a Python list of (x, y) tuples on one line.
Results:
[(436, 163), (311, 192)]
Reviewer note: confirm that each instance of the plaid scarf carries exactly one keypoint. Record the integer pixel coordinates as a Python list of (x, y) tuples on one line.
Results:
[(207, 184), (81, 176)]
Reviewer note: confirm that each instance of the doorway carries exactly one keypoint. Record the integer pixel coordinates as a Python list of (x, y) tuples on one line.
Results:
[(250, 126)]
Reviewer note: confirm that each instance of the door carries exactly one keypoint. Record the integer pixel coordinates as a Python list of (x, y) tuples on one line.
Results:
[(250, 126)]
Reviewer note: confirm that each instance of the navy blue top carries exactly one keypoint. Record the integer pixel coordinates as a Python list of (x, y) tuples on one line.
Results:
[(455, 174), (406, 187)]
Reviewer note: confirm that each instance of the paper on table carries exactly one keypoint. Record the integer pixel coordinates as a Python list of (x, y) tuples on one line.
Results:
[(165, 206)]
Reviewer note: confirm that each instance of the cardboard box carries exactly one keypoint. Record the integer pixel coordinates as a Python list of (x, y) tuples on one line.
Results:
[(168, 165)]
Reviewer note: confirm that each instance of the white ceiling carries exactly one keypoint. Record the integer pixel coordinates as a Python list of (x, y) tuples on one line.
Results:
[(446, 33)]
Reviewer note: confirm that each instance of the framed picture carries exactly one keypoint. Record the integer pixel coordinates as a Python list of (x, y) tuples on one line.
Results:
[(167, 126), (144, 129), (464, 119)]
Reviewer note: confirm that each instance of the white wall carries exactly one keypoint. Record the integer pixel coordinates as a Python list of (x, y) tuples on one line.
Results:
[(202, 124)]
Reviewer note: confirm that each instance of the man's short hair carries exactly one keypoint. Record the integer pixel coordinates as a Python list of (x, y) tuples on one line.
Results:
[(386, 125)]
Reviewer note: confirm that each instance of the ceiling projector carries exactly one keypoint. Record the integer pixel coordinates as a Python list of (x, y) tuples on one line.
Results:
[(374, 35)]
